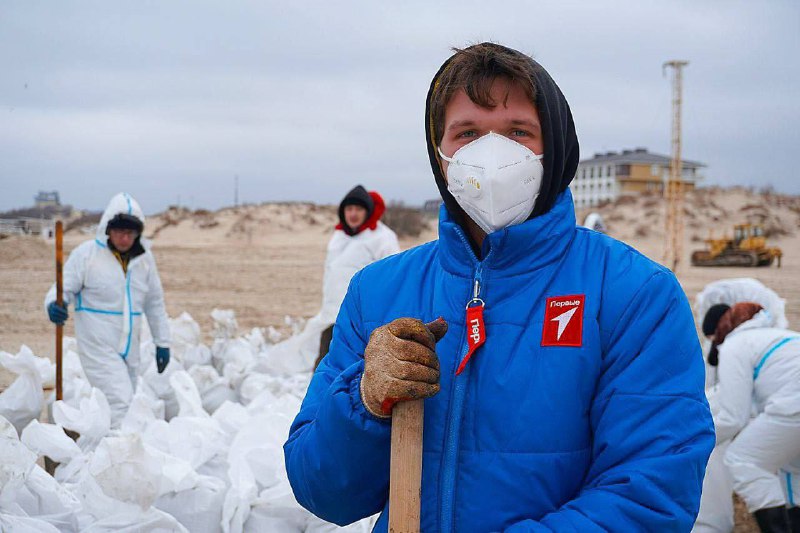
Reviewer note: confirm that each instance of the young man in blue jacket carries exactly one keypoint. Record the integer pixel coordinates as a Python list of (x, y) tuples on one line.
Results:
[(567, 392)]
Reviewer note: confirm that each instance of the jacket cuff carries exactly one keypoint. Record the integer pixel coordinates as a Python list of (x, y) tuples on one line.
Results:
[(356, 401)]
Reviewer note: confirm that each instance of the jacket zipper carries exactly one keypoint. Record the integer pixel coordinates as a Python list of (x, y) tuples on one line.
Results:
[(455, 418)]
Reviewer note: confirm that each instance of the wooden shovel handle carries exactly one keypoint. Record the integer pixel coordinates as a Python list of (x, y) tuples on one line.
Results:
[(405, 477), (60, 301)]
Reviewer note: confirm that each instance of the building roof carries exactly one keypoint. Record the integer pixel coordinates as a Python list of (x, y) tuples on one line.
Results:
[(636, 156)]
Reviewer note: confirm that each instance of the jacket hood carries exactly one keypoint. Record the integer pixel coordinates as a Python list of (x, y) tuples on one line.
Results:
[(122, 203), (372, 201), (561, 151)]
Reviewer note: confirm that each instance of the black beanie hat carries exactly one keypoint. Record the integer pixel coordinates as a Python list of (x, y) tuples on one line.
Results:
[(712, 318), (125, 221)]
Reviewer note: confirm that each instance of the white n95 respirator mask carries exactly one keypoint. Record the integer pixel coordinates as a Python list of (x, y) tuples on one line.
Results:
[(495, 181)]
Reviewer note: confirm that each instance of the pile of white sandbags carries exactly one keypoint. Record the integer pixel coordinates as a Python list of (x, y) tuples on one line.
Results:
[(199, 450)]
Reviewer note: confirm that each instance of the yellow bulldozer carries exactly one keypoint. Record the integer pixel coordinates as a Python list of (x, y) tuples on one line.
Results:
[(747, 248)]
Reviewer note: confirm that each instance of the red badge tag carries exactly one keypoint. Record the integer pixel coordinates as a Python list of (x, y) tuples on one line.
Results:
[(563, 321), (476, 334)]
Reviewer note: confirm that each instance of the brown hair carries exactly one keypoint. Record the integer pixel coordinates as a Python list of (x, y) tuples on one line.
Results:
[(732, 319), (474, 69)]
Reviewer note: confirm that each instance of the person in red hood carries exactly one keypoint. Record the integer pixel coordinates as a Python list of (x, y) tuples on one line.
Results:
[(360, 238)]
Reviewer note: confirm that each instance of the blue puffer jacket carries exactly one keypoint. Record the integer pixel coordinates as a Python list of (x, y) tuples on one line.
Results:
[(611, 435)]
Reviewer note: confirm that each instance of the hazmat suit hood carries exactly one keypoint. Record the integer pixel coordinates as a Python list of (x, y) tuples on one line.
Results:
[(561, 151), (122, 204)]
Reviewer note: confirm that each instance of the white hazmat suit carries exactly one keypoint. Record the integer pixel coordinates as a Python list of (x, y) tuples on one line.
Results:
[(756, 409), (108, 306), (347, 254)]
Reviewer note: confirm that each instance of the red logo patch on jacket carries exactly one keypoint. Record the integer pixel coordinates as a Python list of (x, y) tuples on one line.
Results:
[(563, 321)]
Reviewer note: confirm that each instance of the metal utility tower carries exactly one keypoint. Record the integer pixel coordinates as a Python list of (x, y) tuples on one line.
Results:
[(673, 249), (236, 190)]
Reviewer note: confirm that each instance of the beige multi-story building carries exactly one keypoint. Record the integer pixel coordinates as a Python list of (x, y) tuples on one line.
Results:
[(607, 175), (47, 199)]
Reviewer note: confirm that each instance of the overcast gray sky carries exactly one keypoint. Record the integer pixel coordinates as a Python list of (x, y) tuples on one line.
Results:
[(169, 100)]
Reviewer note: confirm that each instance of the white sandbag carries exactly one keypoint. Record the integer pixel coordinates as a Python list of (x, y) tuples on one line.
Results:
[(150, 521), (189, 402), (275, 509), (273, 335), (17, 462), (259, 446), (315, 524), (297, 353), (217, 467), (49, 440), (125, 471), (214, 389), (184, 331), (225, 326), (24, 524), (92, 420), (76, 385), (286, 406), (44, 498), (294, 385), (736, 290), (161, 388), (144, 410), (196, 355), (256, 462), (157, 435), (231, 417), (237, 358), (256, 340), (196, 439), (185, 342), (23, 400), (199, 508), (47, 372), (240, 496), (253, 385)]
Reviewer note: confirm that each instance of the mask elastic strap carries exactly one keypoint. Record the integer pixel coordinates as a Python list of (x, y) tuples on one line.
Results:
[(448, 159)]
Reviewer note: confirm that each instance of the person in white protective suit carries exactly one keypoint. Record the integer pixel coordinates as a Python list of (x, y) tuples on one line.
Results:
[(757, 456), (594, 221), (732, 291), (112, 281), (360, 238)]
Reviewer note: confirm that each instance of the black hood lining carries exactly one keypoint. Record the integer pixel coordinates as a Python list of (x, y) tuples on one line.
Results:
[(561, 148)]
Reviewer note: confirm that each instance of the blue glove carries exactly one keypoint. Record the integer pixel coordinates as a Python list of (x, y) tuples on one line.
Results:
[(162, 358), (57, 313)]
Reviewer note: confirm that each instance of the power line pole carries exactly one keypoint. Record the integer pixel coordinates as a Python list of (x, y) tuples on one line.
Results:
[(236, 190), (673, 249)]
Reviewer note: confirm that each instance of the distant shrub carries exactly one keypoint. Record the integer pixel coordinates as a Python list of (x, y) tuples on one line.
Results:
[(405, 221), (86, 220)]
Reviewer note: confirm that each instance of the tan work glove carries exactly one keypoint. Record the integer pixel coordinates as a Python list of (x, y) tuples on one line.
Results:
[(400, 364)]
